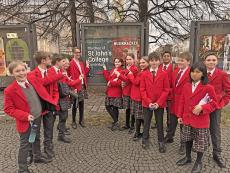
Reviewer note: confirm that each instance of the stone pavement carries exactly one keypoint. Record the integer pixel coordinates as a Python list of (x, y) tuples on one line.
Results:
[(97, 149)]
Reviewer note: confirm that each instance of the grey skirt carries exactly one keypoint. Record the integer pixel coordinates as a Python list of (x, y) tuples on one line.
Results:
[(136, 109), (113, 101)]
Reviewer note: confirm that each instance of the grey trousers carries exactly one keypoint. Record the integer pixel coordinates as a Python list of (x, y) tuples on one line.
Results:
[(48, 124), (159, 120), (215, 131), (25, 146)]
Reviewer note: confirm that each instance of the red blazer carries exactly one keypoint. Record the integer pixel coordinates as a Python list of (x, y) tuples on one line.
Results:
[(48, 79), (219, 80), (169, 71), (154, 91), (70, 82), (189, 100), (124, 77), (74, 72), (16, 105), (114, 89), (177, 90), (135, 93)]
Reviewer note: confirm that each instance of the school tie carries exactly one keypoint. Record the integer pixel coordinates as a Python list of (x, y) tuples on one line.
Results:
[(209, 74), (45, 73), (164, 68), (27, 85), (178, 77), (154, 74)]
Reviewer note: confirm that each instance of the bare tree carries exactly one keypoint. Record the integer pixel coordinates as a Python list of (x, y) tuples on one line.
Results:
[(170, 19)]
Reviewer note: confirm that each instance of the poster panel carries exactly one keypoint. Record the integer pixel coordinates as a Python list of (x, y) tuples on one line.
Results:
[(3, 68), (214, 43)]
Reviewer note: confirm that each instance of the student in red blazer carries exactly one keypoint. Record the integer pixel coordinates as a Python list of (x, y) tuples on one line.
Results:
[(154, 89), (126, 88), (220, 81), (113, 100), (197, 101), (168, 67), (75, 70), (43, 60), (179, 78), (135, 96), (19, 99)]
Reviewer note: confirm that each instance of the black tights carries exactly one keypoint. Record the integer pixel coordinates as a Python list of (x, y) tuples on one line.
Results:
[(189, 149), (138, 125), (113, 111), (127, 118)]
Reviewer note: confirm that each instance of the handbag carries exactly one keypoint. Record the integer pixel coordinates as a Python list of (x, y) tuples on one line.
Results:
[(63, 89)]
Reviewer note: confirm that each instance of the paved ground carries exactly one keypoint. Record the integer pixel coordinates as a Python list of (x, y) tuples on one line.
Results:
[(97, 149)]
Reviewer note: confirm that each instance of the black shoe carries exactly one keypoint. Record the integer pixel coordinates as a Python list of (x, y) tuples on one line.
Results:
[(82, 124), (137, 136), (111, 125), (67, 132), (43, 160), (27, 171), (74, 125), (49, 154), (145, 144), (219, 161), (184, 161), (162, 148), (125, 127), (197, 168), (64, 139), (168, 140), (131, 130), (115, 126), (182, 149)]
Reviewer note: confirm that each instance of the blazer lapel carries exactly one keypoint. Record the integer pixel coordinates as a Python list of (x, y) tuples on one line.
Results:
[(184, 76), (214, 75), (198, 89), (19, 91)]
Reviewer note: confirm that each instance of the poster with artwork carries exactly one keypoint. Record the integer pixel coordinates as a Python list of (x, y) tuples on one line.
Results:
[(124, 45), (3, 69), (227, 54), (214, 43)]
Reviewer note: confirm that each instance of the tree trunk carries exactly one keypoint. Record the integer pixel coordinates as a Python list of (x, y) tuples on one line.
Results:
[(73, 19), (90, 11), (143, 11)]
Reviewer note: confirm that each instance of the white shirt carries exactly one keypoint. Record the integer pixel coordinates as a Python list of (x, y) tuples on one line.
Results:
[(43, 71), (212, 71), (166, 66), (56, 69), (23, 84), (151, 70), (194, 85), (183, 71), (79, 67)]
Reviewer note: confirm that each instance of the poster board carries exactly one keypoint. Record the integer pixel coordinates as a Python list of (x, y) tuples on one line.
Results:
[(101, 43)]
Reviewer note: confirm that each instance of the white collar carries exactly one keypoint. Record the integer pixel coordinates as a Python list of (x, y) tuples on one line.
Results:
[(166, 65), (151, 70), (212, 71), (42, 70), (22, 84), (195, 84), (56, 69)]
